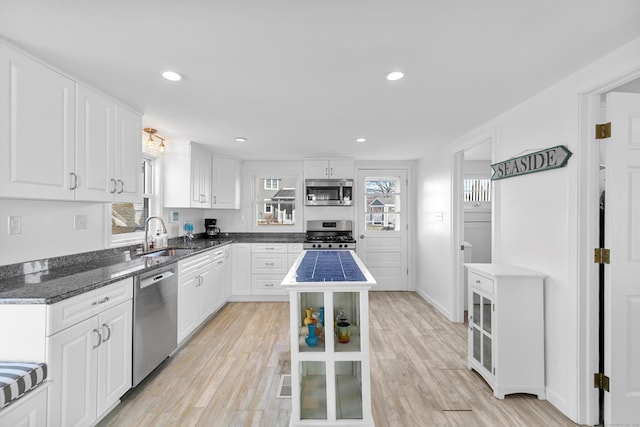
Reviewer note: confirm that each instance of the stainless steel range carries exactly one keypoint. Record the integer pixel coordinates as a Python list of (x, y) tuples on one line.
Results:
[(335, 234)]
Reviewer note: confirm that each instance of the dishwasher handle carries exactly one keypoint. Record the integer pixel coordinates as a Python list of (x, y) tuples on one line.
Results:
[(150, 281)]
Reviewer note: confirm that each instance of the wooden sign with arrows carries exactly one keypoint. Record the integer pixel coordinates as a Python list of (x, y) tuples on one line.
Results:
[(550, 158)]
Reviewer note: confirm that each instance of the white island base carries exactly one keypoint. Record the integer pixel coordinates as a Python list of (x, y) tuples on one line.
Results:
[(330, 382)]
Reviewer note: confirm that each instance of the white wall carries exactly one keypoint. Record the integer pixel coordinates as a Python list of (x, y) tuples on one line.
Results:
[(48, 229), (536, 215)]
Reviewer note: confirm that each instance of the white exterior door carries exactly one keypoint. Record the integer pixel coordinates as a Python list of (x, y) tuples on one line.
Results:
[(381, 215), (622, 236)]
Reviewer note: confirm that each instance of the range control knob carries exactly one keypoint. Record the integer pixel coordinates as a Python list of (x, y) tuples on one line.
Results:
[(330, 245)]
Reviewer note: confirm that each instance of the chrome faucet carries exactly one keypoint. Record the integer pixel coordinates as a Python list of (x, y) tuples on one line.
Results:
[(146, 231)]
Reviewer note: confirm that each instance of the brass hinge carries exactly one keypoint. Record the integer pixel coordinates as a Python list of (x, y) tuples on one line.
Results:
[(603, 130), (601, 381), (601, 256)]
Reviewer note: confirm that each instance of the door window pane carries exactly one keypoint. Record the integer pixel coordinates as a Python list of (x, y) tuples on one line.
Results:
[(382, 203)]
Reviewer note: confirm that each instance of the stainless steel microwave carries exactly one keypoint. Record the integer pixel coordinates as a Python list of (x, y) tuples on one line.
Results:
[(328, 192)]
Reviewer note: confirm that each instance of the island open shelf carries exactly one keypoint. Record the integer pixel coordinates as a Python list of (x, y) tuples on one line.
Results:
[(330, 380)]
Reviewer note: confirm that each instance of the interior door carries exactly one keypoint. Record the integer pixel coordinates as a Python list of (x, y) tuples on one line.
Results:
[(382, 226), (622, 283)]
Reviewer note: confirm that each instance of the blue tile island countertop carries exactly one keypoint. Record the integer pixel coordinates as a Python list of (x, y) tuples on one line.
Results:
[(328, 268)]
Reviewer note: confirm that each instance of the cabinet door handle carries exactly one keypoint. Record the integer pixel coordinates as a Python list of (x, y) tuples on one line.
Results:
[(215, 199), (121, 186), (104, 325), (75, 180), (331, 171), (326, 171), (115, 186), (97, 331)]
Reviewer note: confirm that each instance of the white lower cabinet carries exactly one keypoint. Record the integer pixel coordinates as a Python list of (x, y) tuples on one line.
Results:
[(269, 264), (221, 272), (241, 269), (195, 293), (90, 361), (506, 328), (203, 288)]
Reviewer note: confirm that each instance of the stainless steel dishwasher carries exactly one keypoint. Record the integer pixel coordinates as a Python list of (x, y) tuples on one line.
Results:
[(155, 319)]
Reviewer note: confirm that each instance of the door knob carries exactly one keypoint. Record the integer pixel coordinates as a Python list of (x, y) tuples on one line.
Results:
[(362, 236)]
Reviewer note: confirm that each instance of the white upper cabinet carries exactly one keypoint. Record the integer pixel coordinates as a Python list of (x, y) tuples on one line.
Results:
[(128, 152), (37, 116), (194, 178), (225, 183), (328, 169), (61, 140)]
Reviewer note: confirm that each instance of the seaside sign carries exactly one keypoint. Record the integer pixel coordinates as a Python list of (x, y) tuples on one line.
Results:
[(550, 158)]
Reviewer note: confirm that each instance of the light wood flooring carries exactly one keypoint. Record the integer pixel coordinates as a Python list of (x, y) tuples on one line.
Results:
[(228, 374)]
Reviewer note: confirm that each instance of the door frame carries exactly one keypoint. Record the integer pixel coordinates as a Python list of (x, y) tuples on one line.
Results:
[(589, 104), (457, 220), (408, 201)]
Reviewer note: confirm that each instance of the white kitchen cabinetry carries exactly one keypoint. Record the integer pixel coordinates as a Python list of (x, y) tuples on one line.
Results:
[(61, 140), (241, 269), (324, 169), (107, 149), (37, 117), (89, 354), (506, 328), (269, 264), (194, 178), (195, 293), (225, 185), (29, 411), (221, 271)]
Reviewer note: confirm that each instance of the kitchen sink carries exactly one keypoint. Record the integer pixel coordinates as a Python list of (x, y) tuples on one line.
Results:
[(170, 252)]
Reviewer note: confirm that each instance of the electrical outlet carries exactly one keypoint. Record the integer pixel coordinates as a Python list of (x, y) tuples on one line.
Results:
[(80, 222), (14, 225)]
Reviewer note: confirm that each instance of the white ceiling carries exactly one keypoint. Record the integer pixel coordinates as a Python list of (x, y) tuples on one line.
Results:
[(305, 78)]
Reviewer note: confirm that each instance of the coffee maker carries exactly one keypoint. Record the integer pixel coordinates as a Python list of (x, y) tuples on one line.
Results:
[(210, 228)]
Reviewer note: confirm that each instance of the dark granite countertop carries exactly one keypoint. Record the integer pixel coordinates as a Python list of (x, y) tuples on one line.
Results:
[(50, 285), (51, 280)]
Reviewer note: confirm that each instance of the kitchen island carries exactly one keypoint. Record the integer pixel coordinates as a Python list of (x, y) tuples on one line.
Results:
[(330, 376)]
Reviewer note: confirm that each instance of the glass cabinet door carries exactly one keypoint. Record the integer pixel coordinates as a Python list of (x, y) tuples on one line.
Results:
[(313, 391), (481, 330)]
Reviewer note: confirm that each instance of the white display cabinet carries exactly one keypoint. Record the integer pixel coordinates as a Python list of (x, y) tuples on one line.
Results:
[(331, 382), (506, 328)]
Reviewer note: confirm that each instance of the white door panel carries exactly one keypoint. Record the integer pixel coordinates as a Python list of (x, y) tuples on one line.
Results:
[(381, 218), (622, 236)]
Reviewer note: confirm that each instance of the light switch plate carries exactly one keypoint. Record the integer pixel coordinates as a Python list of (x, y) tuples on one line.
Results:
[(80, 222), (14, 224)]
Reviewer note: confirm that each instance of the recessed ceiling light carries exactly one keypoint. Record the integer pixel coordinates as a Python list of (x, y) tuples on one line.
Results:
[(172, 75), (361, 139), (241, 139), (395, 75)]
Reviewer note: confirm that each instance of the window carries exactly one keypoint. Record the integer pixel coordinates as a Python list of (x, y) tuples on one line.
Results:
[(382, 203), (477, 191), (275, 201), (127, 219), (271, 183)]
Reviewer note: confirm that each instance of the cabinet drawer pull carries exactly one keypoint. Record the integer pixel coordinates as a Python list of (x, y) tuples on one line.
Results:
[(478, 282), (97, 331), (269, 263), (268, 285), (104, 325), (102, 301)]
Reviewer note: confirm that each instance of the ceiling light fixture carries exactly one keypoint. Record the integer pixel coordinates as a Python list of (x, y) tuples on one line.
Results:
[(395, 75), (241, 139), (361, 139), (151, 143), (172, 75)]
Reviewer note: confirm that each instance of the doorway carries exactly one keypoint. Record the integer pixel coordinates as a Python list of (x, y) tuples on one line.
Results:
[(473, 196)]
